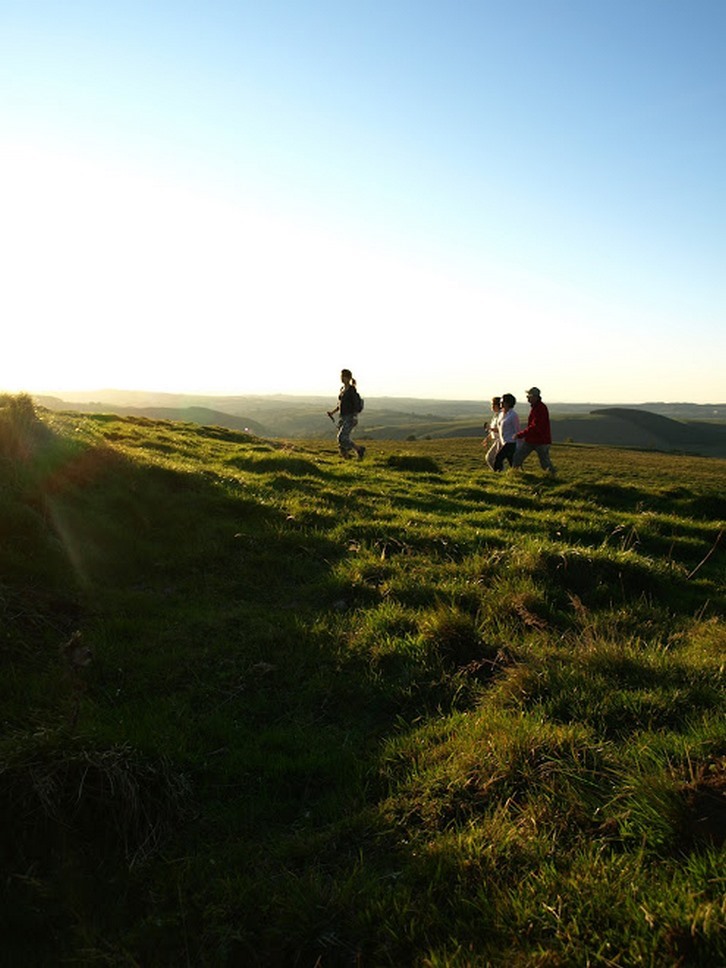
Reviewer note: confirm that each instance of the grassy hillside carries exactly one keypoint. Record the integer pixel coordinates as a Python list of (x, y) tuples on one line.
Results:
[(264, 707)]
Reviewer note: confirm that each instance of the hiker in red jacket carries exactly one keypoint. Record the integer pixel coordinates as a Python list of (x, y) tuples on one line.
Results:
[(536, 435)]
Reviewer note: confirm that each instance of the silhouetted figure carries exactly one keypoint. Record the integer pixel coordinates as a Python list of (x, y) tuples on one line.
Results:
[(349, 406)]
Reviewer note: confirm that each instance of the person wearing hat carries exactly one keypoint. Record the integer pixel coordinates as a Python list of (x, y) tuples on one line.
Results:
[(536, 436)]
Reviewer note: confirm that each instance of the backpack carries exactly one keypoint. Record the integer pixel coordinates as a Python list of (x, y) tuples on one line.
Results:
[(358, 403)]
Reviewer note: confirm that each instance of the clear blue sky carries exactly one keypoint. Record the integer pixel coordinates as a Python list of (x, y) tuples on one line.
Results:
[(451, 199)]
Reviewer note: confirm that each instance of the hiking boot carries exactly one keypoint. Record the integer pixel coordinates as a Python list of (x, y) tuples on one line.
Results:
[(361, 453)]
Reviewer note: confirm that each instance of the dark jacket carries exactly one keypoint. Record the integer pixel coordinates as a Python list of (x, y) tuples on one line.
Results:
[(348, 401)]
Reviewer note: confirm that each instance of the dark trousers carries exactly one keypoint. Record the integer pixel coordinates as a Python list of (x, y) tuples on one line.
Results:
[(506, 453)]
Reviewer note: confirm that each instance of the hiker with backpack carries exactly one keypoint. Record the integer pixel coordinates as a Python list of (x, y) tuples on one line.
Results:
[(349, 406)]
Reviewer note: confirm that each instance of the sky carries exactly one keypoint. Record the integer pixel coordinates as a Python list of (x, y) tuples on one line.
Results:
[(451, 199)]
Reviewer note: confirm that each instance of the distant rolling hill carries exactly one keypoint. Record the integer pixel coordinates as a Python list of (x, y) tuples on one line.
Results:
[(398, 419), (198, 415), (629, 427)]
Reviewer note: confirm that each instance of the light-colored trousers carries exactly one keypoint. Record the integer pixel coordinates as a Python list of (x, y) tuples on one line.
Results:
[(492, 453), (345, 429), (542, 451)]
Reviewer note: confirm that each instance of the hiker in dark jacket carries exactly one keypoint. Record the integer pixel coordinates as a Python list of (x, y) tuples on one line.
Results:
[(536, 436), (349, 406)]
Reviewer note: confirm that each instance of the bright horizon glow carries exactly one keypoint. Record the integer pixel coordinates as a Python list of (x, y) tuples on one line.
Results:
[(452, 203)]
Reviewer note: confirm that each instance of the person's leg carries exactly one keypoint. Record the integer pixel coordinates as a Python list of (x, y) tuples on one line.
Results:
[(345, 444), (360, 451), (522, 453), (492, 454), (543, 452), (505, 453)]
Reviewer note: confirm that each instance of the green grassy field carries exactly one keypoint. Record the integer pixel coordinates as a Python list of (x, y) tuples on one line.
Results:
[(261, 706)]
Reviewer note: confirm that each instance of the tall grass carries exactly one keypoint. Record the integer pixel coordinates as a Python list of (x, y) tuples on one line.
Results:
[(261, 706)]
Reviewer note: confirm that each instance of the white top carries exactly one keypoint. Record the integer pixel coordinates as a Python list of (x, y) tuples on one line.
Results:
[(508, 427), (495, 421)]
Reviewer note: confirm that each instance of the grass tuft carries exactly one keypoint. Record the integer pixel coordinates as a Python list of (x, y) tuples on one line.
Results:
[(59, 796)]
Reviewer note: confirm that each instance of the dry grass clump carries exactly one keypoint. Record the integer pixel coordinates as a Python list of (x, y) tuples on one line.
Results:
[(57, 796), (20, 429)]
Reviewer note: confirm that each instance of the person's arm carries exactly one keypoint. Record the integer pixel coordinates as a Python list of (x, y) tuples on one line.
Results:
[(532, 425), (331, 412)]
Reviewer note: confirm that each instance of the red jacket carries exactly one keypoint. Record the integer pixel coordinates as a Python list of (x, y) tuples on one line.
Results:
[(537, 430)]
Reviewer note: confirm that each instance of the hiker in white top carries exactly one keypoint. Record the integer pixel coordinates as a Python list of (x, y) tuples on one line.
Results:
[(492, 440), (508, 430)]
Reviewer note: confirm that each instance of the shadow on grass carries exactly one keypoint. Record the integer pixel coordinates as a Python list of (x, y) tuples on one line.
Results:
[(678, 499), (211, 667), (416, 464), (294, 466), (613, 496), (601, 579)]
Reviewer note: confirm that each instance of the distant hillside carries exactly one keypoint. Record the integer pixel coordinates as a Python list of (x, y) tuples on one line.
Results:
[(198, 415), (687, 428), (262, 406), (630, 427)]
